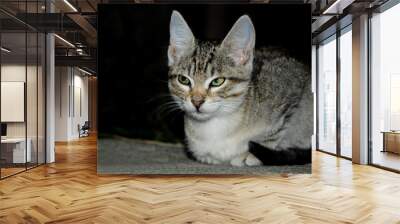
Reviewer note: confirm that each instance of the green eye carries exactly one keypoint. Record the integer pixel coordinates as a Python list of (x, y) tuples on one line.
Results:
[(183, 80), (217, 82)]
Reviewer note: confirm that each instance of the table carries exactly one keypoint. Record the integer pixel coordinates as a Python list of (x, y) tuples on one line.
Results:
[(391, 141)]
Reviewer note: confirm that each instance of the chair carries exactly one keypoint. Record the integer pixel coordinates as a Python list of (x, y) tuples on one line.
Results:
[(84, 130)]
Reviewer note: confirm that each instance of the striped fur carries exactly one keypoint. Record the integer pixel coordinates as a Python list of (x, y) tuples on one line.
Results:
[(265, 98)]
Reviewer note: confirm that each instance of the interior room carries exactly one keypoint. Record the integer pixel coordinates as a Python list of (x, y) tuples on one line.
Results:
[(22, 103), (49, 103)]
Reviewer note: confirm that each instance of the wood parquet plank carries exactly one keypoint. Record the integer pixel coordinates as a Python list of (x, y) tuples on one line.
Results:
[(70, 191)]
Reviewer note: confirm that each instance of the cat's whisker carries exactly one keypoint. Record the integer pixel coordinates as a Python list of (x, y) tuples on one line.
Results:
[(166, 108), (174, 112), (159, 97), (161, 114)]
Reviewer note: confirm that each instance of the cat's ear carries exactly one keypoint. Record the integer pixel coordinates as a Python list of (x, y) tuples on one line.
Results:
[(181, 40), (240, 41)]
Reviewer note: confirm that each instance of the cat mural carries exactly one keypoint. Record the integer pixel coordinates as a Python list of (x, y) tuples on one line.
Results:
[(234, 95)]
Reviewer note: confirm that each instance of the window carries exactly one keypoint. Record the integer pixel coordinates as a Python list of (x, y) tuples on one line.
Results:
[(385, 88), (335, 137), (22, 101), (346, 92), (327, 95)]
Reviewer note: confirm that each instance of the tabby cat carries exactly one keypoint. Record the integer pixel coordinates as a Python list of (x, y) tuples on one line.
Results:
[(233, 95)]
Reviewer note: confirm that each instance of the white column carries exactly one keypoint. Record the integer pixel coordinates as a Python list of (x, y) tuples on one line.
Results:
[(50, 92), (314, 88), (360, 90), (50, 99)]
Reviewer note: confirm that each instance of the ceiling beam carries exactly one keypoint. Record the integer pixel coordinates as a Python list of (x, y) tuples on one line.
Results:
[(81, 21), (337, 7), (86, 27), (83, 61)]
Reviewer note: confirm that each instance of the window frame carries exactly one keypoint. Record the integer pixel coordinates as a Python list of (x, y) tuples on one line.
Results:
[(337, 35)]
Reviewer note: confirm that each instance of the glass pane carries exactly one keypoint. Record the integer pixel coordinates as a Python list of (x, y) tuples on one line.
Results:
[(14, 153), (31, 100), (31, 84), (346, 94), (385, 86), (327, 96)]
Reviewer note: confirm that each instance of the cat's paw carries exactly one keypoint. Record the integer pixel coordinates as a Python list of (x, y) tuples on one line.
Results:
[(246, 159), (251, 160), (238, 161), (208, 160)]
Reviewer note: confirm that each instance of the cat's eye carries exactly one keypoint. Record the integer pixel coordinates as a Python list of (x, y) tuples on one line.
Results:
[(183, 80), (217, 82)]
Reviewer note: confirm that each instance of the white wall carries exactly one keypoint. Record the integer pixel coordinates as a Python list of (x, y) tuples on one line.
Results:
[(17, 72), (79, 117), (33, 126), (12, 101), (9, 73), (70, 84), (62, 81)]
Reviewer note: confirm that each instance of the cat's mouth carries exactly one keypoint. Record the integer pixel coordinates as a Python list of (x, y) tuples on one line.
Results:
[(203, 112), (198, 115)]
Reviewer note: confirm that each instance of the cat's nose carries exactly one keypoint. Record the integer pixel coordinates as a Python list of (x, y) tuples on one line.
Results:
[(197, 102)]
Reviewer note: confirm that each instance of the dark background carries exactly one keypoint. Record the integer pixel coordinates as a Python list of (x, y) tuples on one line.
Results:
[(132, 57)]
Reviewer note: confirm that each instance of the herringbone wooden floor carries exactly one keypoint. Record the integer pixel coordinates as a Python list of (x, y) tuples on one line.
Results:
[(69, 191)]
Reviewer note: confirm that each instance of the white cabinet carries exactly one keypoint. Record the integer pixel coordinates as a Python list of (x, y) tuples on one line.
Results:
[(18, 149)]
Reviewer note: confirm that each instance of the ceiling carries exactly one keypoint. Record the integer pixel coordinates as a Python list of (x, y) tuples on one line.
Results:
[(75, 21)]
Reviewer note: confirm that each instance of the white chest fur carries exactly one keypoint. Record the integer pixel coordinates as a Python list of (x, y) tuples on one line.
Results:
[(218, 140)]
